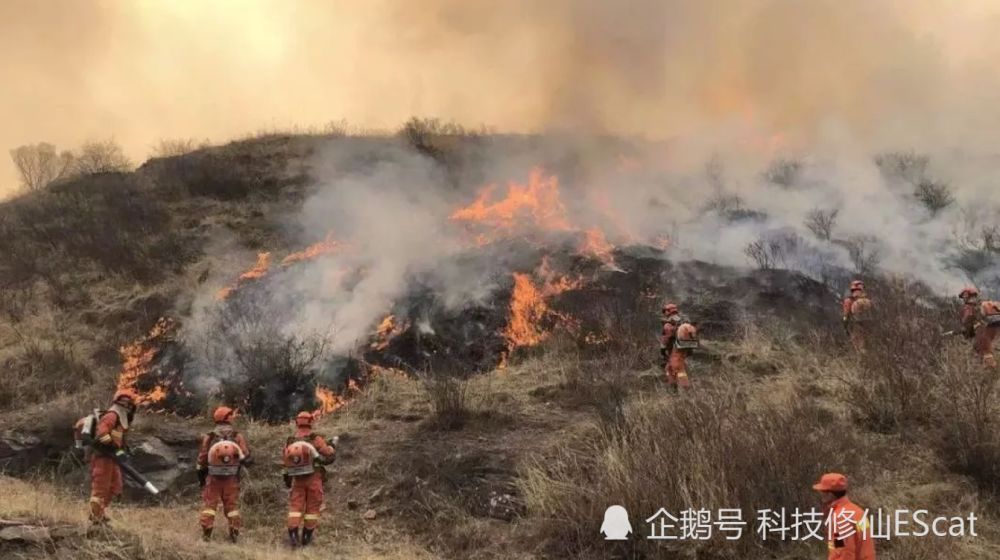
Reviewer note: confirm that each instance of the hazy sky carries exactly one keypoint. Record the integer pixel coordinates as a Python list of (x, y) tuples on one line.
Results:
[(904, 72)]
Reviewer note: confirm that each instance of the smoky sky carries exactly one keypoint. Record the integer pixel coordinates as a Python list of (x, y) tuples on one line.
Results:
[(824, 74)]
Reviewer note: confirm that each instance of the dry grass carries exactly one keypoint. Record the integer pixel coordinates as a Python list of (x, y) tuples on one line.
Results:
[(711, 450)]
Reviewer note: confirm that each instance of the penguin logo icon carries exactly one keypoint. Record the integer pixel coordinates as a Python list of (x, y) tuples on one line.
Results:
[(616, 526)]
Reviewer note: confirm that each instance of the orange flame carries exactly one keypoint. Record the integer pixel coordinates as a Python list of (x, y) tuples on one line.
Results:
[(256, 272), (595, 245), (325, 247), (137, 359), (387, 330), (528, 309), (536, 204), (328, 401)]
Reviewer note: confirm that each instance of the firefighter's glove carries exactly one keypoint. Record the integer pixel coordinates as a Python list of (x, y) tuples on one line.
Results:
[(202, 477), (288, 481)]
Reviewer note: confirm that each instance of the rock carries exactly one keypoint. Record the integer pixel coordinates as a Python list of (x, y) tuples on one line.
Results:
[(369, 514), (20, 451), (151, 454), (30, 534)]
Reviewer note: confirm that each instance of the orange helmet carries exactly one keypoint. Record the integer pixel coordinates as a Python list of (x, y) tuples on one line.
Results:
[(223, 414), (126, 394), (831, 482), (670, 308), (967, 292), (304, 419), (857, 285)]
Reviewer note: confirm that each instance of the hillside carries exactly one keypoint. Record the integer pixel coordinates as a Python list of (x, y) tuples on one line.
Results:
[(494, 390)]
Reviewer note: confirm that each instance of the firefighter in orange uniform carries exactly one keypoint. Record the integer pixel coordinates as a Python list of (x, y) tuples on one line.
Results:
[(109, 442), (848, 528), (304, 458), (980, 323), (856, 308), (222, 453), (677, 340)]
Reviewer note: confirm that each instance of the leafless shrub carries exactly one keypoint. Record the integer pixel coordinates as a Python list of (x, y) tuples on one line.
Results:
[(39, 165), (270, 374), (822, 222), (783, 172), (732, 208), (773, 250), (910, 167), (177, 147), (449, 398), (934, 195), (963, 427), (865, 253), (101, 157)]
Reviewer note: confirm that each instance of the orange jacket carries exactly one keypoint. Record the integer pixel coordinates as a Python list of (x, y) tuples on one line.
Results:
[(221, 432), (111, 430), (855, 307), (969, 316), (849, 532)]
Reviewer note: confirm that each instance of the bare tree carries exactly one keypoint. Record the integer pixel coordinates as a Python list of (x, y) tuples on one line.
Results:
[(934, 195), (865, 253), (101, 157), (772, 250), (39, 164), (821, 222)]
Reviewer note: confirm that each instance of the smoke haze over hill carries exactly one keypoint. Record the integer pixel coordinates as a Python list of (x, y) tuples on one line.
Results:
[(827, 75)]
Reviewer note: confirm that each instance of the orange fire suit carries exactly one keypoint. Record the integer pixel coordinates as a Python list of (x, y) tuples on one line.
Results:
[(982, 335), (105, 474), (848, 531), (305, 501), (676, 366), (221, 488), (855, 309)]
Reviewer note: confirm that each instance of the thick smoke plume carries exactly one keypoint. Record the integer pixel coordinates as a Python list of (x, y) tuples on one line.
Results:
[(832, 74)]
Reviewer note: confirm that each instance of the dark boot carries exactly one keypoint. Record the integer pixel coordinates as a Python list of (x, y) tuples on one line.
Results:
[(307, 537), (206, 534), (234, 535), (293, 537)]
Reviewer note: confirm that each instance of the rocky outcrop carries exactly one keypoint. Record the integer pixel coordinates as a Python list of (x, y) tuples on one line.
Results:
[(20, 451)]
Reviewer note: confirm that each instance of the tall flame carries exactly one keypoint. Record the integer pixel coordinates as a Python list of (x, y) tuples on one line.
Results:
[(137, 360), (528, 310)]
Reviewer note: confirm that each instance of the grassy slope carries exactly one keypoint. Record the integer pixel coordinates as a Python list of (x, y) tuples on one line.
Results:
[(537, 431), (426, 483)]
